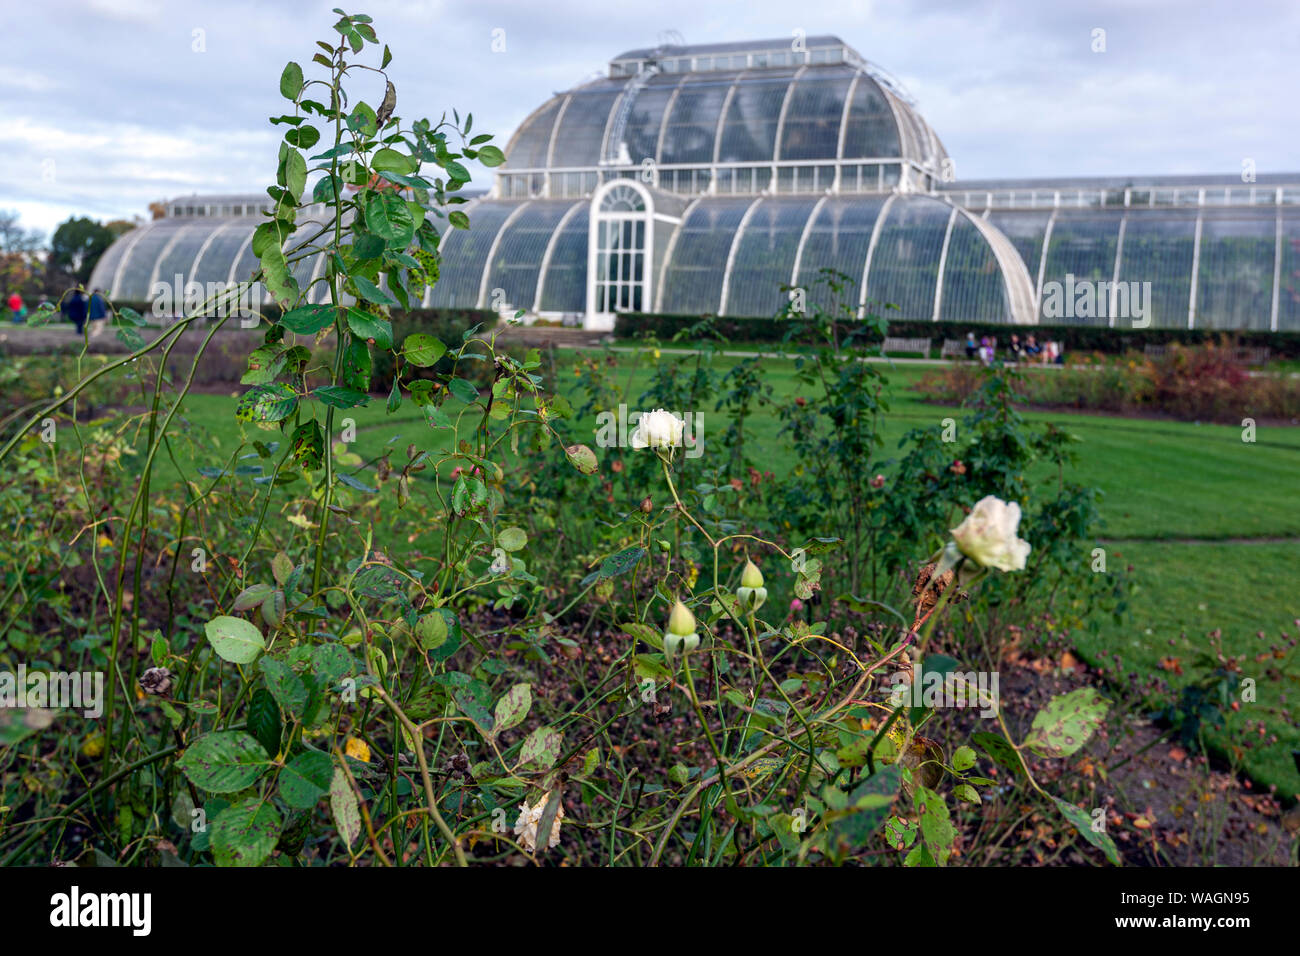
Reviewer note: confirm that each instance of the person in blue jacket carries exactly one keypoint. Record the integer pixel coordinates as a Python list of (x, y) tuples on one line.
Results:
[(75, 307)]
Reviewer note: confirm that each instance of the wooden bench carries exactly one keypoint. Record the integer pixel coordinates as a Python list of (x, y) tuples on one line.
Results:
[(905, 345), (1154, 351), (953, 348), (1252, 354)]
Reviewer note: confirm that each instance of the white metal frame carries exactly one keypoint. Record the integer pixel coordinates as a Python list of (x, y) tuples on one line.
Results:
[(603, 320)]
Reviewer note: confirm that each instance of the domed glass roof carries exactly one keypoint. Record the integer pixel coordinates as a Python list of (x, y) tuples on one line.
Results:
[(760, 113)]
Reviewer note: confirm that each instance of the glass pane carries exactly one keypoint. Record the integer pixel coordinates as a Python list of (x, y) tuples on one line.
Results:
[(905, 266), (1236, 271), (812, 120), (1288, 306), (641, 131), (1082, 245), (564, 282), (528, 148), (1026, 231), (464, 252), (1158, 249), (749, 131), (973, 288), (693, 279), (693, 123), (518, 259), (765, 257), (582, 127), (872, 131)]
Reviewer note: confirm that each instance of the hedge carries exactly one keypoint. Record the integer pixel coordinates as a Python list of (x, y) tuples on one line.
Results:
[(1077, 338)]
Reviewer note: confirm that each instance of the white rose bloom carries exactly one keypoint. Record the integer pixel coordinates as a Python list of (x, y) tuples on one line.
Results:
[(988, 535), (530, 817), (658, 429)]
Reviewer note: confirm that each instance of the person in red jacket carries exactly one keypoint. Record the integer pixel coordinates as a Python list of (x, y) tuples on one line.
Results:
[(16, 307)]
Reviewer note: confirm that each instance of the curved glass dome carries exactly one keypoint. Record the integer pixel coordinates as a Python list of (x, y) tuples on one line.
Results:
[(725, 105)]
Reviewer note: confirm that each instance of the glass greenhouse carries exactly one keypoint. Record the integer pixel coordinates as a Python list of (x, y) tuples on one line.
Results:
[(703, 179)]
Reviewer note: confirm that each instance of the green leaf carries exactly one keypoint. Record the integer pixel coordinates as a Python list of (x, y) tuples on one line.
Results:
[(266, 403), (392, 161), (245, 834), (463, 390), (354, 484), (541, 749), (512, 708), (305, 779), (331, 662), (936, 829), (1083, 823), (371, 292), (512, 539), (309, 319), (388, 216), (1066, 723), (367, 326), (292, 174), (224, 761), (252, 596), (234, 639), (344, 808), (963, 758), (1000, 751), (422, 350), (291, 81), (362, 120), (264, 721), (340, 397), (304, 137), (439, 633), (458, 219), (582, 458), (285, 686), (491, 156), (468, 495), (964, 791), (621, 562), (308, 445)]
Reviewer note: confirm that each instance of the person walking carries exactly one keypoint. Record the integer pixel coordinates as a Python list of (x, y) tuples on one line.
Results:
[(16, 307), (972, 349), (97, 312), (75, 307)]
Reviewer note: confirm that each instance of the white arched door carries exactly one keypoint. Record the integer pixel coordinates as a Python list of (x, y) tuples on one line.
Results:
[(619, 248)]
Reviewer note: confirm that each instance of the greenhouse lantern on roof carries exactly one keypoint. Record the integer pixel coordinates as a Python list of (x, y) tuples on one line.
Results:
[(703, 179)]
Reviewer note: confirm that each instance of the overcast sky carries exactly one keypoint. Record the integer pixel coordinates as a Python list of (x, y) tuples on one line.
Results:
[(111, 104)]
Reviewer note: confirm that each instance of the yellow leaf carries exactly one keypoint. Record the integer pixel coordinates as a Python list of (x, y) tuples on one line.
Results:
[(357, 749)]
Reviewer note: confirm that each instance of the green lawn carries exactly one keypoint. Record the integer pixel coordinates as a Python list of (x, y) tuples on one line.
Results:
[(1210, 523)]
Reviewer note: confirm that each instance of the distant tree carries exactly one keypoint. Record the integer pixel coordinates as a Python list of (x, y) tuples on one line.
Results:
[(13, 237), (119, 227), (20, 264), (77, 245)]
